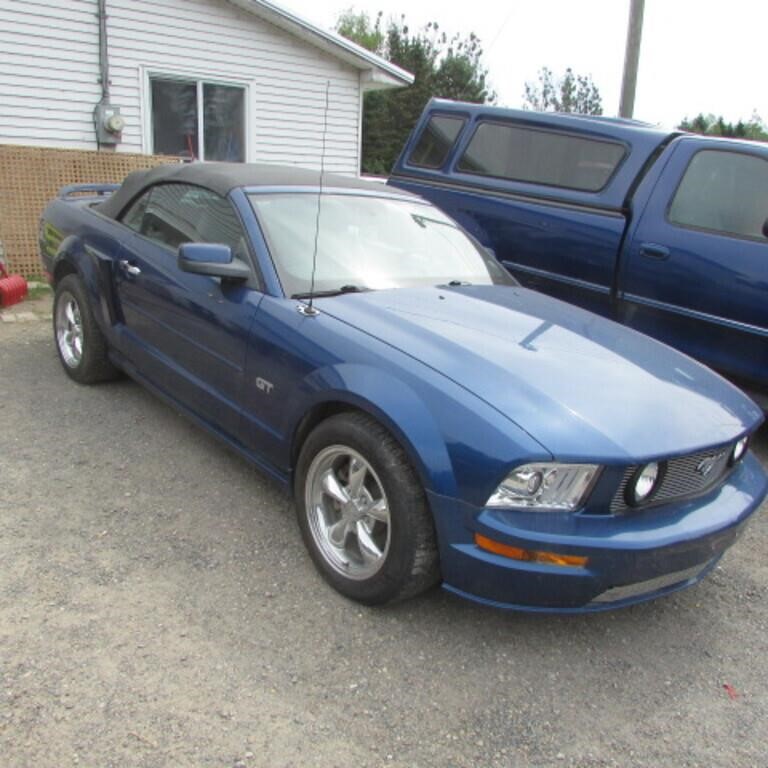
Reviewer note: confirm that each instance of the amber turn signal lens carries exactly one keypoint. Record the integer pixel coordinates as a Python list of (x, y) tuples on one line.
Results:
[(554, 559), (528, 555)]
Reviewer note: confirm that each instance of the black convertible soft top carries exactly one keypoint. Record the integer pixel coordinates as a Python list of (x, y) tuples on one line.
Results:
[(224, 177)]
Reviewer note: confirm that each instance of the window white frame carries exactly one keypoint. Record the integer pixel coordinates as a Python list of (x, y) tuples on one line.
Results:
[(199, 78)]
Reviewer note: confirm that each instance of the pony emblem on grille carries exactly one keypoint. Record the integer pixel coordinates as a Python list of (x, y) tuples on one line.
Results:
[(706, 465)]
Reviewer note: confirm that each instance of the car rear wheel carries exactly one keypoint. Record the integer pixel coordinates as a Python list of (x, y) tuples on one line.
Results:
[(80, 343), (363, 513)]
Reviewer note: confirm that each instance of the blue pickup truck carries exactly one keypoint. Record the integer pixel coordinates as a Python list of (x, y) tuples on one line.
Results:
[(663, 231)]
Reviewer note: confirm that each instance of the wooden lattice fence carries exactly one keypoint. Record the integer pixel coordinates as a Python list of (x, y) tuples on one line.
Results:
[(31, 176)]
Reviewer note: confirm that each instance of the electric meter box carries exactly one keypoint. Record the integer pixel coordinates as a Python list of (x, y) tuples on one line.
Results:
[(109, 123)]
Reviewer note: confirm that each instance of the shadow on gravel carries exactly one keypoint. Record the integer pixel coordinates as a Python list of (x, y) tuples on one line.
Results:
[(438, 614)]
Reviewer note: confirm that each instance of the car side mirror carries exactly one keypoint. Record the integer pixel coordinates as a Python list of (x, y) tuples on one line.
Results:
[(765, 229), (212, 259)]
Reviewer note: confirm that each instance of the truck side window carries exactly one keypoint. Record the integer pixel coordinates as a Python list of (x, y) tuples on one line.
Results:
[(541, 157), (725, 192), (436, 141)]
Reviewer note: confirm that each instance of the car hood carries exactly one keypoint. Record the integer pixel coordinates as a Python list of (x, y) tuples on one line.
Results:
[(579, 384)]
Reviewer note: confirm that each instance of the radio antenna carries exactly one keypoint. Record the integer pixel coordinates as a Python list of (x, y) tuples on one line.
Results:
[(310, 310)]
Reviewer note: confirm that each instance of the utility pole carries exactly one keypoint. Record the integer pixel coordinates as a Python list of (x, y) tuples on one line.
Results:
[(631, 58)]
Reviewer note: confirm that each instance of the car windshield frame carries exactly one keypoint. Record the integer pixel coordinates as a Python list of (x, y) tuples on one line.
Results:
[(278, 229)]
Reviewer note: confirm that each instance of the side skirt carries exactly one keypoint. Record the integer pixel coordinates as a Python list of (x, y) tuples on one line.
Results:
[(283, 478)]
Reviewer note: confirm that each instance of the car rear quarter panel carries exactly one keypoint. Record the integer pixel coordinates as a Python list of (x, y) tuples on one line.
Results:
[(75, 238)]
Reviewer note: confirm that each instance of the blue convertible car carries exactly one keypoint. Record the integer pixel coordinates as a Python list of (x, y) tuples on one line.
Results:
[(436, 421)]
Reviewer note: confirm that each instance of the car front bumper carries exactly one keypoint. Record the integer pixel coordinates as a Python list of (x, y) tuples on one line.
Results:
[(631, 557)]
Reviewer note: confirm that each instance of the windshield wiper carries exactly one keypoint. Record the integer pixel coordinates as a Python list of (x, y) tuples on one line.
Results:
[(422, 221), (332, 292)]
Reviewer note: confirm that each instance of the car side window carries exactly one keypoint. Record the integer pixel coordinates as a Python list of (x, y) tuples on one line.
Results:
[(723, 191), (168, 219), (172, 214), (133, 217)]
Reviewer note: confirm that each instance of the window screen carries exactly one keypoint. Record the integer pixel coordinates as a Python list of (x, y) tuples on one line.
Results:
[(725, 192), (174, 118), (176, 109), (181, 213), (541, 157), (223, 123), (436, 141)]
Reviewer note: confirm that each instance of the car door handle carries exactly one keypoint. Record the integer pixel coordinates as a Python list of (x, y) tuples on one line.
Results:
[(654, 251), (128, 268)]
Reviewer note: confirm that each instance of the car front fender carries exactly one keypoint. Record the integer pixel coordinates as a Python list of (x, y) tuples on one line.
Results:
[(459, 446), (396, 406)]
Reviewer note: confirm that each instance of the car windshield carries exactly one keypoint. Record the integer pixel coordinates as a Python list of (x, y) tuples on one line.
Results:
[(368, 242)]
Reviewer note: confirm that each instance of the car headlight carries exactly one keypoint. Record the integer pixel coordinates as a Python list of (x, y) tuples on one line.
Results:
[(546, 485)]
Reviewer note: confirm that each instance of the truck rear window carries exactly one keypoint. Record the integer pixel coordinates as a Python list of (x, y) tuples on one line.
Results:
[(541, 157), (436, 141)]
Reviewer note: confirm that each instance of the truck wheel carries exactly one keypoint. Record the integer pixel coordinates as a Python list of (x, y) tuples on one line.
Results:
[(363, 513), (79, 341)]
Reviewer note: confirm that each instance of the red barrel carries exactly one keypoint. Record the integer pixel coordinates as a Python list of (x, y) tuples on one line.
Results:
[(13, 288)]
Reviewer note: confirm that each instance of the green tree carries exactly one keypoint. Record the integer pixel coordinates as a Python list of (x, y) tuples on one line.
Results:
[(569, 93), (710, 125), (358, 28), (444, 67)]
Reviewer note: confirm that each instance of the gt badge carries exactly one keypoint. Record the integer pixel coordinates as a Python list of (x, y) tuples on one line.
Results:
[(264, 386)]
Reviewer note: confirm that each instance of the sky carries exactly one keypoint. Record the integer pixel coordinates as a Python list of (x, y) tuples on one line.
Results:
[(696, 55)]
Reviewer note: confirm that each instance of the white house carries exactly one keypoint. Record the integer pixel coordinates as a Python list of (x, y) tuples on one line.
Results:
[(212, 79)]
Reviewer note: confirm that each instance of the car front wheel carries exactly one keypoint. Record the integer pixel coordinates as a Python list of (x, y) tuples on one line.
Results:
[(363, 513)]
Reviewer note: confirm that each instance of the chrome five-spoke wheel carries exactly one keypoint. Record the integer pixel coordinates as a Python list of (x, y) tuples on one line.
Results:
[(80, 343), (348, 512), (363, 512), (69, 330)]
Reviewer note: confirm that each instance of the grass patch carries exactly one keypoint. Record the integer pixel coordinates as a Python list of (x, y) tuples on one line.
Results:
[(38, 287), (38, 291)]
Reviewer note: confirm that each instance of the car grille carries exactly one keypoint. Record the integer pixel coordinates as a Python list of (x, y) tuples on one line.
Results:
[(682, 477), (651, 585)]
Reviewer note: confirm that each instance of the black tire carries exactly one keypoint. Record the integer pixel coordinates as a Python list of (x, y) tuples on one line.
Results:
[(409, 565), (92, 363)]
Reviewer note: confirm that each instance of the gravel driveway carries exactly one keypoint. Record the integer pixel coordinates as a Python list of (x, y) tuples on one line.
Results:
[(157, 608)]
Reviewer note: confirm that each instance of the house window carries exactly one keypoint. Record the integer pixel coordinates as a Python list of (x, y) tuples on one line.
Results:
[(198, 120)]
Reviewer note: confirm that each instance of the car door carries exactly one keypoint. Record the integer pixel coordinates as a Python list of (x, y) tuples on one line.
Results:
[(185, 333), (696, 270)]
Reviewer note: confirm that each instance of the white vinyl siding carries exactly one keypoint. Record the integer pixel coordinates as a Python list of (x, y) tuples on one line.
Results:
[(49, 76), (49, 72)]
